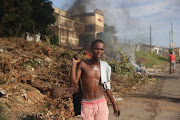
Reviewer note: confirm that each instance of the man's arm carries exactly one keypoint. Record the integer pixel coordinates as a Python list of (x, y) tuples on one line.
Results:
[(115, 107), (75, 73)]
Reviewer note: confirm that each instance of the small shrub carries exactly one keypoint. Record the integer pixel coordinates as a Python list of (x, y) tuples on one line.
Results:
[(54, 40)]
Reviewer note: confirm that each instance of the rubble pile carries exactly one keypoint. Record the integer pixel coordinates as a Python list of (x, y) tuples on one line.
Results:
[(34, 74)]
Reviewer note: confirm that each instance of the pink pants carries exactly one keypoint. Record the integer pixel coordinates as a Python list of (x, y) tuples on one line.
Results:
[(94, 110)]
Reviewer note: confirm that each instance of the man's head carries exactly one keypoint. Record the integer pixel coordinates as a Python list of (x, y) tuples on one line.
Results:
[(95, 41), (97, 49)]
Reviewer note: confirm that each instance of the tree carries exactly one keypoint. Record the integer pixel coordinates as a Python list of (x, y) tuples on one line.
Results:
[(20, 16), (109, 29), (42, 15), (108, 34), (15, 15)]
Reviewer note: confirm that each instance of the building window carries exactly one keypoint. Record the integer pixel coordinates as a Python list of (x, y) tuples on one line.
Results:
[(62, 32), (70, 24), (71, 40), (89, 28), (70, 34), (62, 39), (99, 29), (76, 41), (62, 21)]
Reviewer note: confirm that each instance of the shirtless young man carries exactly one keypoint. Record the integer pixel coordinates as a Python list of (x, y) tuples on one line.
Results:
[(93, 104)]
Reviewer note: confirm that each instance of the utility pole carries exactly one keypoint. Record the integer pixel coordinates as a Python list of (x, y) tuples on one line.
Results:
[(170, 49), (124, 39), (172, 44), (170, 40), (172, 32), (150, 38)]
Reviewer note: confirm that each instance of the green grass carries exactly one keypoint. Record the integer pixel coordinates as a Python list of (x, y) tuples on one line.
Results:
[(150, 59)]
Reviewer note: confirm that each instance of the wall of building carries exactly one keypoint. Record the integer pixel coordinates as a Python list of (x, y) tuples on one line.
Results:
[(146, 48), (60, 12), (177, 51), (70, 29), (157, 50), (94, 22), (99, 22), (67, 29)]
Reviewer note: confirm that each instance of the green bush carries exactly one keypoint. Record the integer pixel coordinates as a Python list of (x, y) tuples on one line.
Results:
[(125, 68), (54, 40)]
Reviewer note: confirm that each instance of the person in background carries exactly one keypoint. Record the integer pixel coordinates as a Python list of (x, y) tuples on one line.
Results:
[(94, 75), (172, 63)]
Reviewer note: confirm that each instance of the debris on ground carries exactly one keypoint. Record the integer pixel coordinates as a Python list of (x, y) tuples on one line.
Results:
[(34, 80)]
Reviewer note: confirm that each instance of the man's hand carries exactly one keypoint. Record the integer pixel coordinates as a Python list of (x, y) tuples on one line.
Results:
[(116, 111), (115, 107), (76, 61)]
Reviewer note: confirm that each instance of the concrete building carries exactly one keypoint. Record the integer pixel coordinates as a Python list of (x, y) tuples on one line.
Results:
[(77, 30), (155, 49), (93, 22), (176, 51), (67, 29)]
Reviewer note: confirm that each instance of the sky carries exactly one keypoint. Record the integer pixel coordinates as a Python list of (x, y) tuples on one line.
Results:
[(133, 18)]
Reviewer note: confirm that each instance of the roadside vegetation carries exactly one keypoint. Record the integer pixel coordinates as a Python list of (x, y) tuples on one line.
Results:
[(125, 68), (150, 59)]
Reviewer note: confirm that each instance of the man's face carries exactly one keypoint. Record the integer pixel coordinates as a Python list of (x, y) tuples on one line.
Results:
[(98, 50)]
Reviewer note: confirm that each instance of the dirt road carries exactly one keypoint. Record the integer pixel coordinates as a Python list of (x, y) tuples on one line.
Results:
[(158, 100), (154, 101)]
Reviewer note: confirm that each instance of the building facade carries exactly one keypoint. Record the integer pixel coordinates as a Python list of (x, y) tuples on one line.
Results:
[(155, 49), (75, 30), (93, 22), (66, 29), (177, 51)]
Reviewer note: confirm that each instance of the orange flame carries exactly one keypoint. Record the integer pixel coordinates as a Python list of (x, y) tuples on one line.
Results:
[(88, 54)]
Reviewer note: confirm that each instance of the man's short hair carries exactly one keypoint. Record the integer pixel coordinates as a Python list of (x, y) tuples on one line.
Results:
[(95, 41)]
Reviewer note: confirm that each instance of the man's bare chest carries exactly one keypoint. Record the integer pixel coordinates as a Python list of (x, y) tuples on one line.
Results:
[(92, 71)]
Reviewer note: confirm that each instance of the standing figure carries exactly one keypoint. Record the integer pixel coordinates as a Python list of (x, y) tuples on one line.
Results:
[(172, 63), (94, 76)]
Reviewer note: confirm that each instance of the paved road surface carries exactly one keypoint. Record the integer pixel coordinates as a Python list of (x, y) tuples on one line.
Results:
[(156, 101)]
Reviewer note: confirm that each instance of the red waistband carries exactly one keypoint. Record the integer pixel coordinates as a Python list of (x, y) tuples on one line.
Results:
[(93, 102)]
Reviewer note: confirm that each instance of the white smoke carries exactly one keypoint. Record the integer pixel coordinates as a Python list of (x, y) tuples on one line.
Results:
[(115, 14)]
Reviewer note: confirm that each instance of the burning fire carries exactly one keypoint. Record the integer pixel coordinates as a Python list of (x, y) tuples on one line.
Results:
[(88, 54)]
